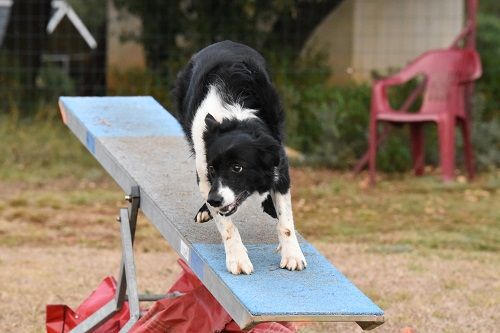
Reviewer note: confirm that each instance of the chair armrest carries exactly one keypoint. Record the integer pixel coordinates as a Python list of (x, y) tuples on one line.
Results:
[(380, 100), (404, 75)]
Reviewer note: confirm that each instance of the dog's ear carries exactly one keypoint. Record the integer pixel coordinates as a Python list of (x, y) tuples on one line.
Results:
[(210, 122), (271, 156), (270, 151)]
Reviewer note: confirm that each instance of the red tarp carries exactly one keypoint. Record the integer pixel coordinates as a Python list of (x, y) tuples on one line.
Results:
[(196, 310), (61, 319)]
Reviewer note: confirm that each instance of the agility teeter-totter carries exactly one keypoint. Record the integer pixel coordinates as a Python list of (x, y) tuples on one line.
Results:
[(143, 148)]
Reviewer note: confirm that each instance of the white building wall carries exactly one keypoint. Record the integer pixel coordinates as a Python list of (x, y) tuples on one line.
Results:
[(389, 33), (123, 55), (384, 34)]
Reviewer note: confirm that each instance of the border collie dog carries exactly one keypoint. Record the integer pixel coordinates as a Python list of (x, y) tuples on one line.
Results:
[(233, 120)]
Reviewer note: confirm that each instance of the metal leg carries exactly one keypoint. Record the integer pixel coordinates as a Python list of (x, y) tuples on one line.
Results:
[(133, 210), (128, 218), (369, 325), (97, 318), (128, 259)]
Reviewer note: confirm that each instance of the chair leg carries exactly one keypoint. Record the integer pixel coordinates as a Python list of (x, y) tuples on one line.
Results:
[(446, 132), (417, 148), (468, 152), (372, 151), (363, 161)]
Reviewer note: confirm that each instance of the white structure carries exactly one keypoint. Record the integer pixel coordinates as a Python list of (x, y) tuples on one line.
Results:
[(4, 17), (360, 36), (123, 54), (60, 9)]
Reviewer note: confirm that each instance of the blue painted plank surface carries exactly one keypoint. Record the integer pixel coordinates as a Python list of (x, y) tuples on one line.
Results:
[(113, 125), (122, 116), (320, 289)]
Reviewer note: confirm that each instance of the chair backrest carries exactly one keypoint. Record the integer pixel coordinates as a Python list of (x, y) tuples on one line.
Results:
[(446, 72)]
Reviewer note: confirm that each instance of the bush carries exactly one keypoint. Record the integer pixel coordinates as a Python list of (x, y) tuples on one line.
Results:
[(329, 124), (53, 82), (486, 106), (136, 82), (488, 45), (485, 134)]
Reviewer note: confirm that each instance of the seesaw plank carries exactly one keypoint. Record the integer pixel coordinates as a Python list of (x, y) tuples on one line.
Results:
[(139, 143)]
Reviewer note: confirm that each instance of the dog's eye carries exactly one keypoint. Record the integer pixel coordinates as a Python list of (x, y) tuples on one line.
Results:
[(211, 170), (236, 168)]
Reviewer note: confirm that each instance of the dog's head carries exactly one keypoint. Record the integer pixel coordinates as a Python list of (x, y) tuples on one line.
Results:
[(242, 158)]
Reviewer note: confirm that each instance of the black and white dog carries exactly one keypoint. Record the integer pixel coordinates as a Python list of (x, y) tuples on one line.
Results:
[(233, 119)]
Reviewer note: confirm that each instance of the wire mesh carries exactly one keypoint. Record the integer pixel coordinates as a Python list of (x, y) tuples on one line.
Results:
[(95, 47)]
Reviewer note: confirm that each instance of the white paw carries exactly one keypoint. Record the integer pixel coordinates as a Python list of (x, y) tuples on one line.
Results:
[(237, 260), (203, 216), (292, 257)]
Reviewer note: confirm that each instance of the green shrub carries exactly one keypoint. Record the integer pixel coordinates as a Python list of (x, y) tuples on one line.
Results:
[(488, 45), (485, 134), (486, 106), (53, 82), (12, 92), (329, 124), (136, 82)]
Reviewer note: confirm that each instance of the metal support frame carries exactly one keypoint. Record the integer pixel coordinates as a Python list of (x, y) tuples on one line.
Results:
[(126, 289)]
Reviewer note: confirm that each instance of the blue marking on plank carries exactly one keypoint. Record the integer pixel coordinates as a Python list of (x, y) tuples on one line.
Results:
[(320, 289), (90, 142), (136, 116), (196, 264)]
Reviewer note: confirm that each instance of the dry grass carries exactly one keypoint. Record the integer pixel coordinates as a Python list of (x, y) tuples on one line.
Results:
[(403, 210), (428, 291), (35, 276), (426, 252)]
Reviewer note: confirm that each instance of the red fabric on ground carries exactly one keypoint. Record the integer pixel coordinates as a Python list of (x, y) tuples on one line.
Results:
[(196, 310), (61, 318)]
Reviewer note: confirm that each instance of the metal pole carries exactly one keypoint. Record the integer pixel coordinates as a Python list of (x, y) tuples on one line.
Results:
[(128, 219), (133, 209), (128, 258)]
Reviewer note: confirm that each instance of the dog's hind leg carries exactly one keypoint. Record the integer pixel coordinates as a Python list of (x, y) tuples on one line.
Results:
[(203, 214), (292, 257), (237, 260)]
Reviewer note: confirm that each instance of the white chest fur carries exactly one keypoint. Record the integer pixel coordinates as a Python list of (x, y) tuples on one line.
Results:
[(212, 104)]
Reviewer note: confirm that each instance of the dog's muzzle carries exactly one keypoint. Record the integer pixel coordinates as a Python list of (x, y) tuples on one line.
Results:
[(230, 209)]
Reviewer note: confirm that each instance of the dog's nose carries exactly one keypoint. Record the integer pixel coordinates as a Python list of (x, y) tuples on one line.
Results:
[(215, 200)]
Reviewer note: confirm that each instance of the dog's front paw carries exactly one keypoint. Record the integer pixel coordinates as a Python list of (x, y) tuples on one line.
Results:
[(292, 257), (237, 260), (203, 215)]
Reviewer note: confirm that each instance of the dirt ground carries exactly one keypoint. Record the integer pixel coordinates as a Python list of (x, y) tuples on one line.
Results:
[(57, 242), (430, 292)]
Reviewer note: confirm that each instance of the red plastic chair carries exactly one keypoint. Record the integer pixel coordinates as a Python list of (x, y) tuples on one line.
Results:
[(446, 73)]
